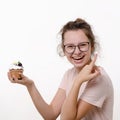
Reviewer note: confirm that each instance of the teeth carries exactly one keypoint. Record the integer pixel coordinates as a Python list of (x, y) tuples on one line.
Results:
[(78, 58)]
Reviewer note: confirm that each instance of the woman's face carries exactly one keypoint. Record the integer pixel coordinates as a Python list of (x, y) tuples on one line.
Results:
[(81, 55)]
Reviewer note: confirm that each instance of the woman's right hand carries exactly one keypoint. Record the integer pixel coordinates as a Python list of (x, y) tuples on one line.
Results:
[(24, 81)]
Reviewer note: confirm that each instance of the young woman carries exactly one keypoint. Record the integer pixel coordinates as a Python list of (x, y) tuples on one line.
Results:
[(86, 91)]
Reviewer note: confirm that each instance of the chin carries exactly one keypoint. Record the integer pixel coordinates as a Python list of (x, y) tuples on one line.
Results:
[(79, 63), (79, 66)]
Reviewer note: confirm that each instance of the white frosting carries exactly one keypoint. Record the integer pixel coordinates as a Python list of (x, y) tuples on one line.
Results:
[(15, 66)]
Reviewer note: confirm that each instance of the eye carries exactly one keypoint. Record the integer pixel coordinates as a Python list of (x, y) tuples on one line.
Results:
[(83, 44), (70, 46)]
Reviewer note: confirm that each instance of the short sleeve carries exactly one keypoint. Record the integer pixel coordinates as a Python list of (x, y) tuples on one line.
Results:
[(95, 91), (63, 84)]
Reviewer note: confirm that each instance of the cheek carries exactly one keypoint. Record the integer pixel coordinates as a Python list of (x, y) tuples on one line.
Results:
[(68, 58), (88, 55)]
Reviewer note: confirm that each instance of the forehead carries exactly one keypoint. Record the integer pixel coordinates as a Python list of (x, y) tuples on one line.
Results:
[(75, 36)]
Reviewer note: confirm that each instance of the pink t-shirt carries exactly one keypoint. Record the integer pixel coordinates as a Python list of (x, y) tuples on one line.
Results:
[(98, 92)]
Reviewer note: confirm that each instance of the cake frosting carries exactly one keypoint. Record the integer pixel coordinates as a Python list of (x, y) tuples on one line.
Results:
[(16, 69), (16, 65)]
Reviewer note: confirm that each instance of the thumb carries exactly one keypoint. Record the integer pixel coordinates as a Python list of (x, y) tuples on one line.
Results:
[(94, 74)]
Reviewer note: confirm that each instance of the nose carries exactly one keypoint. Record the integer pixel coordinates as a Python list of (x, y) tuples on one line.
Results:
[(77, 51)]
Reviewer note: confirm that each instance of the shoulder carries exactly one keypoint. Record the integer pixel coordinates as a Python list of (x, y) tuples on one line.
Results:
[(69, 71), (104, 75), (101, 81)]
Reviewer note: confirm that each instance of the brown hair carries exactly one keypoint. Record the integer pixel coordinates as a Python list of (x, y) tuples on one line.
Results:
[(76, 25)]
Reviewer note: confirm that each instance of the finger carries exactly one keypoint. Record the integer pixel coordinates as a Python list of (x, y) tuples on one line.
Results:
[(10, 77), (92, 63), (20, 80), (95, 74)]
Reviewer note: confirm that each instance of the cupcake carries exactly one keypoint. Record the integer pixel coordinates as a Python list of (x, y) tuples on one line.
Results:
[(16, 69)]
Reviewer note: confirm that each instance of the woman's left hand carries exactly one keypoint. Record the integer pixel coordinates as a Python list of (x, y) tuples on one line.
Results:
[(89, 71)]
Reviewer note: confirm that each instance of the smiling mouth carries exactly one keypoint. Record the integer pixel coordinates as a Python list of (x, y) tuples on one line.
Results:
[(78, 58)]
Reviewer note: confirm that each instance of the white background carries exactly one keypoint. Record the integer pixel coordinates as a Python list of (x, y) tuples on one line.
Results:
[(29, 33)]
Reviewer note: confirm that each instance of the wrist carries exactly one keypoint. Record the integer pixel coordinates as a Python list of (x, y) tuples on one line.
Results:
[(77, 83), (30, 85)]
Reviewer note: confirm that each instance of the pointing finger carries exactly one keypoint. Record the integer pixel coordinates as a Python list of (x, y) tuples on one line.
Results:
[(92, 63)]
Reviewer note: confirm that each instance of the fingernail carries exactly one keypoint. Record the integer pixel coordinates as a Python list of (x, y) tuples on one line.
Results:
[(96, 53)]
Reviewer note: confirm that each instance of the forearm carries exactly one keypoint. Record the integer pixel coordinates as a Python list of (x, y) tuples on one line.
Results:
[(70, 103), (43, 108)]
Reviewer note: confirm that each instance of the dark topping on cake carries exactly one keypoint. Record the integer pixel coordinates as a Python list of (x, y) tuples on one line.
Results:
[(19, 64)]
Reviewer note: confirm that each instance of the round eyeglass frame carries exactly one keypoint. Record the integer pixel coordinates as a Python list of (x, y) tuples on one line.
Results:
[(76, 46)]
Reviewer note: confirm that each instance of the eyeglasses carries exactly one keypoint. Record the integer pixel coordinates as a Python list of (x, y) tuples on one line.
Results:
[(70, 48)]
